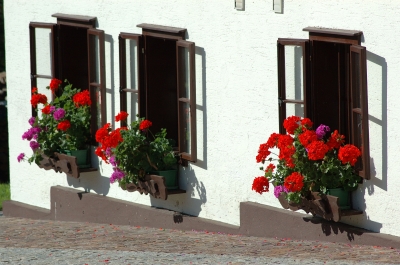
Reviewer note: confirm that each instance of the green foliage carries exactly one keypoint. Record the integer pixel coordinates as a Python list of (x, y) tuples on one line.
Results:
[(4, 193), (141, 152)]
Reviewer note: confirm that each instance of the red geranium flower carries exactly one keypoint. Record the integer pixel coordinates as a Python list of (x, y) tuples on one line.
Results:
[(294, 182), (46, 109), (121, 116), (82, 98), (308, 137), (291, 124), (260, 185), (263, 152), (102, 133), (34, 90), (317, 150), (335, 141), (38, 98), (145, 125), (54, 84), (273, 140), (349, 154), (307, 123), (101, 154), (64, 125), (270, 168)]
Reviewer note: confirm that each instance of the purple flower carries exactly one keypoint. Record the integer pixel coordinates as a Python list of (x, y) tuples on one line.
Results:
[(52, 109), (31, 121), (113, 162), (20, 157), (117, 175), (321, 131), (279, 189), (59, 114), (108, 152), (34, 145), (31, 133)]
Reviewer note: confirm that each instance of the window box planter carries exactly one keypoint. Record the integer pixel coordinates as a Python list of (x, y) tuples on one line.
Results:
[(154, 185), (63, 163), (325, 206)]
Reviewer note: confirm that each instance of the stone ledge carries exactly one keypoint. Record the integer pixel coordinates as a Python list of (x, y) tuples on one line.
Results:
[(69, 204)]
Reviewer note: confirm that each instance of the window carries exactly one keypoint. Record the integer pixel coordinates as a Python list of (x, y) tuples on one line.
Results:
[(157, 81), (71, 49), (324, 78)]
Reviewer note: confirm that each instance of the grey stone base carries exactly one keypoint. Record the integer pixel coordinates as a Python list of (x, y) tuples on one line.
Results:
[(255, 219)]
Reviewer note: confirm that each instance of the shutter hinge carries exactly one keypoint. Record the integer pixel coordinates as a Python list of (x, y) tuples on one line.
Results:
[(142, 50), (32, 76), (280, 101), (120, 89)]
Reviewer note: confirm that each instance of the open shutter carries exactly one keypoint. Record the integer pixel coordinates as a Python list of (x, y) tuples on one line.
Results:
[(97, 78), (130, 50), (185, 60), (359, 107), (42, 47), (293, 56)]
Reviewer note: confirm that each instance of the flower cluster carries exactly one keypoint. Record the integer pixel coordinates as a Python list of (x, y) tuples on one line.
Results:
[(134, 151), (307, 161), (64, 123)]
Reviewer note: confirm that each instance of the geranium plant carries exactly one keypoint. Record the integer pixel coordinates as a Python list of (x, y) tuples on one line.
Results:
[(62, 124), (134, 151), (305, 160)]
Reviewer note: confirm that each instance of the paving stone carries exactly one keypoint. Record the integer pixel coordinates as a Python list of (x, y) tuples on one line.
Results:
[(26, 241)]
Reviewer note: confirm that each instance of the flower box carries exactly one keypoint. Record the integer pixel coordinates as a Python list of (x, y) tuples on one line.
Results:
[(153, 185), (325, 206), (63, 163)]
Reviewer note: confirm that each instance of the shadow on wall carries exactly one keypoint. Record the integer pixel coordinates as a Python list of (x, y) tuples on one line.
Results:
[(378, 168), (92, 180), (188, 203), (201, 108)]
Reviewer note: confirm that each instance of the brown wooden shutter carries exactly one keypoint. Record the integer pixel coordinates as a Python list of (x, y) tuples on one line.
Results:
[(359, 107), (97, 78), (292, 101), (186, 79), (35, 74), (125, 88)]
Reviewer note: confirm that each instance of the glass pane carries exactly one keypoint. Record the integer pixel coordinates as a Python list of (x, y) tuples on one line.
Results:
[(294, 110), (355, 79), (131, 64), (185, 133), (184, 72), (95, 59), (132, 105), (98, 105), (43, 51), (294, 72), (357, 141), (42, 83)]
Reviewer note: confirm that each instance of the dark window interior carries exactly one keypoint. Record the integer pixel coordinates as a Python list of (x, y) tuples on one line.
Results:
[(73, 56), (161, 92), (329, 88)]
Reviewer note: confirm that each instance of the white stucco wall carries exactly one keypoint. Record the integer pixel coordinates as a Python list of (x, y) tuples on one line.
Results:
[(236, 75)]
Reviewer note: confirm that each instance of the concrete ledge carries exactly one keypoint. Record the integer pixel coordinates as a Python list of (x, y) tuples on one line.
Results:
[(263, 220), (18, 209), (69, 204)]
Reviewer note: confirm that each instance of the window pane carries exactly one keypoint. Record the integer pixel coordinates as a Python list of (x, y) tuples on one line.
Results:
[(132, 106), (184, 72), (43, 51), (185, 134), (131, 64), (98, 105), (294, 110), (95, 59), (357, 141), (294, 72), (42, 83), (356, 93)]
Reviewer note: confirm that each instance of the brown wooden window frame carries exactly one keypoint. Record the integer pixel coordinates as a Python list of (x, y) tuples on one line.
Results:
[(356, 85), (174, 34), (89, 23)]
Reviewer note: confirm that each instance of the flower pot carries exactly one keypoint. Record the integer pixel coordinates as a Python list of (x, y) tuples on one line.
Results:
[(171, 178), (81, 157), (344, 197)]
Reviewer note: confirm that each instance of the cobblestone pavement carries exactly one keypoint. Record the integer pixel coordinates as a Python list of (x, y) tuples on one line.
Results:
[(25, 241)]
